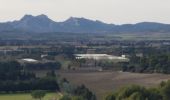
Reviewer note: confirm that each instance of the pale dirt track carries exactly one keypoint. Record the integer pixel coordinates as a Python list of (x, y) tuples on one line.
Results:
[(102, 82)]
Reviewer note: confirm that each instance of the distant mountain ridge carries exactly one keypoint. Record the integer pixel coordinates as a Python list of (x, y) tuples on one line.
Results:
[(42, 24)]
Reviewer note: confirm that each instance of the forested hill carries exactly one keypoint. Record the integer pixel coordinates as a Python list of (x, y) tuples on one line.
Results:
[(43, 24)]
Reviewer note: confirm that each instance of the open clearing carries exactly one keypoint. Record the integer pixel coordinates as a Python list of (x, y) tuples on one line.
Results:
[(49, 96), (102, 82)]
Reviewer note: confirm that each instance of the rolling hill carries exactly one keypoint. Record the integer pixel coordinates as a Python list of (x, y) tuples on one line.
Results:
[(42, 24)]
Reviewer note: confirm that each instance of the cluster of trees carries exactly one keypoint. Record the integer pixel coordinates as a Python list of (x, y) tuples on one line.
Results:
[(158, 63), (13, 71), (13, 78), (29, 85), (83, 92), (43, 66), (80, 93), (148, 57), (38, 94), (16, 78), (134, 92), (75, 92)]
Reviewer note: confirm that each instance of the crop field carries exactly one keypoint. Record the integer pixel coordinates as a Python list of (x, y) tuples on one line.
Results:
[(103, 82), (49, 96)]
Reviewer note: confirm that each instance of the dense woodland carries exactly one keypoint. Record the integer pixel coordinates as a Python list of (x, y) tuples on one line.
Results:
[(152, 60), (43, 66), (15, 79)]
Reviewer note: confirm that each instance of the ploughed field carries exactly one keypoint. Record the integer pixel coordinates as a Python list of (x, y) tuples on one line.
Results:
[(103, 82)]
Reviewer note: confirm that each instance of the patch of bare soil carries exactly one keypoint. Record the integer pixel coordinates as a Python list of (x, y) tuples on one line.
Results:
[(103, 82)]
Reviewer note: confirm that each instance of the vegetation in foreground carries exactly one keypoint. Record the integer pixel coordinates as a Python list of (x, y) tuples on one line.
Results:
[(79, 93), (134, 92)]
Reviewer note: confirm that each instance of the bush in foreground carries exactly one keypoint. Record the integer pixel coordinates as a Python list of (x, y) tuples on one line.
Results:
[(38, 94), (135, 92)]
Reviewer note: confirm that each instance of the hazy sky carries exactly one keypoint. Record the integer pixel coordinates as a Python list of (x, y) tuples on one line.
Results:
[(110, 11)]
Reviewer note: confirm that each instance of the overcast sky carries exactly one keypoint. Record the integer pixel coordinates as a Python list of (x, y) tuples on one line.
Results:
[(110, 11)]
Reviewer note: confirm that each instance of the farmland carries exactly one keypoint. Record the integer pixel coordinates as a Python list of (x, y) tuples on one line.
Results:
[(104, 82), (145, 60)]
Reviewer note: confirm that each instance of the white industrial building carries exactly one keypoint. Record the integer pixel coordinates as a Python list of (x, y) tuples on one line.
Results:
[(29, 60), (102, 57)]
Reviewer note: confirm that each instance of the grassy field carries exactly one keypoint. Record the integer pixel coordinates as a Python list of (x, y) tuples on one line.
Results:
[(102, 82), (49, 96), (143, 36)]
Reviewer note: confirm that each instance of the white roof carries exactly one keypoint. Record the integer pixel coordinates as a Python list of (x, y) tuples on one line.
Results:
[(91, 55), (100, 57), (29, 60)]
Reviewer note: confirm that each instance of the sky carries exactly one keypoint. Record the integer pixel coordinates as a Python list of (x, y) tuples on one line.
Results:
[(109, 11)]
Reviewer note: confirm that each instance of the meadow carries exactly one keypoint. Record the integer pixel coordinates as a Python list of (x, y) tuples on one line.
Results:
[(48, 96)]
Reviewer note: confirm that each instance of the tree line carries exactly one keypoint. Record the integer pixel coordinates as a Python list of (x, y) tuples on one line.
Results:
[(71, 92), (13, 78), (135, 92), (157, 63), (43, 66)]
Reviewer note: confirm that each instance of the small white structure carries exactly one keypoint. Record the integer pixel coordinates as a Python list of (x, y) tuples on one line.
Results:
[(42, 56), (29, 60), (102, 57)]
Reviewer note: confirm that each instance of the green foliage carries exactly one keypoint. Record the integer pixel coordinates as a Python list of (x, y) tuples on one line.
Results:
[(27, 96), (166, 91), (77, 98), (75, 92), (154, 94), (136, 96), (43, 66), (66, 86), (110, 96), (38, 94), (152, 63), (135, 92), (106, 64), (14, 78), (66, 97), (84, 92), (13, 71), (51, 74)]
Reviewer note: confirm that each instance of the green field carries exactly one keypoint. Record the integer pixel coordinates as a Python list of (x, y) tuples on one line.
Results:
[(49, 96)]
